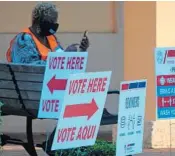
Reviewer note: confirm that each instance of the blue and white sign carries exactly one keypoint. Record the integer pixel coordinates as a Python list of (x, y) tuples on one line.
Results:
[(131, 117), (58, 68), (81, 110), (165, 82)]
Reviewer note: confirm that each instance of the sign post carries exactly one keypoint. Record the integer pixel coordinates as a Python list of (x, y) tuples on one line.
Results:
[(58, 68), (81, 110), (165, 82), (131, 117)]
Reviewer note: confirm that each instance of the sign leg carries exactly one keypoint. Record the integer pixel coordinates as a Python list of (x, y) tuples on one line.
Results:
[(49, 142)]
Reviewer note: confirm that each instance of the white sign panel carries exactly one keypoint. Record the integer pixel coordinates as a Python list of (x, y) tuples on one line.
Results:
[(82, 110), (131, 117), (58, 68)]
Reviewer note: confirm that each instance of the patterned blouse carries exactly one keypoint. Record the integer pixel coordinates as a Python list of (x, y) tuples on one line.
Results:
[(24, 50)]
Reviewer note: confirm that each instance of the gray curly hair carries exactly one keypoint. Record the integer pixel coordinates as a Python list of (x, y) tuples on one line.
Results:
[(44, 12)]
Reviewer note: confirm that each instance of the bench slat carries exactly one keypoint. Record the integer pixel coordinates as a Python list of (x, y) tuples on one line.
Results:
[(26, 95), (4, 67), (29, 86), (11, 103), (13, 107), (18, 112), (29, 95), (15, 103), (7, 84), (29, 77), (34, 105), (28, 68), (8, 93), (5, 75)]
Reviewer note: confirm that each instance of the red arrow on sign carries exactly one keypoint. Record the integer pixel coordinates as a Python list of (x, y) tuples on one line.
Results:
[(86, 109), (56, 84)]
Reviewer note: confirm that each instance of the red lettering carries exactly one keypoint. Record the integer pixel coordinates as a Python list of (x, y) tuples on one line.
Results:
[(72, 134), (50, 105), (97, 85), (63, 135), (81, 62), (66, 134), (73, 86), (56, 62), (62, 63), (79, 134), (86, 132), (91, 133), (59, 135), (103, 84), (75, 62), (56, 106), (68, 63), (90, 85), (77, 86), (44, 105), (83, 85)]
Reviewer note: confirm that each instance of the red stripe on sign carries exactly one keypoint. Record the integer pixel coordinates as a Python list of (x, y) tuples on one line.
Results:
[(125, 86), (171, 53), (165, 80), (166, 101)]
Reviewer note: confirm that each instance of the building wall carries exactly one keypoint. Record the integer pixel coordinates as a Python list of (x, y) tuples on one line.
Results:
[(139, 44), (165, 34), (74, 16), (148, 25), (163, 135), (105, 53)]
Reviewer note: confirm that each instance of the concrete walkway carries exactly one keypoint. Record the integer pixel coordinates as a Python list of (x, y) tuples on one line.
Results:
[(15, 150), (158, 152)]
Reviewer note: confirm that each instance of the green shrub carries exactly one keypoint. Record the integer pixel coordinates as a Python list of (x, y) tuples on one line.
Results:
[(101, 148)]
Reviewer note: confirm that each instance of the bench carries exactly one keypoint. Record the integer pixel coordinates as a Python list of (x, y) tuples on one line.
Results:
[(20, 91)]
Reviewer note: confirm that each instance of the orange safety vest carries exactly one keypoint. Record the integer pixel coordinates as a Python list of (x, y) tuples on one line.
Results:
[(42, 49)]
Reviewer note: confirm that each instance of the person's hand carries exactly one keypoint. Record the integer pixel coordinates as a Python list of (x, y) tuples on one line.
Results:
[(84, 43)]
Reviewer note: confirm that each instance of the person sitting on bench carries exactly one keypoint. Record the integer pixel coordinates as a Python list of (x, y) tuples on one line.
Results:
[(33, 44)]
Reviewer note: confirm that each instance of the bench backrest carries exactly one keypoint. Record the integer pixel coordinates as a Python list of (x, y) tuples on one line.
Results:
[(20, 84), (20, 88)]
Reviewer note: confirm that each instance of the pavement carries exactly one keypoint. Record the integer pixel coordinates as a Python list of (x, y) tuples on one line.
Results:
[(17, 150)]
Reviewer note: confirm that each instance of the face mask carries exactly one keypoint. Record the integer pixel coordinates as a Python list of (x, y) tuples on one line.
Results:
[(48, 29)]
